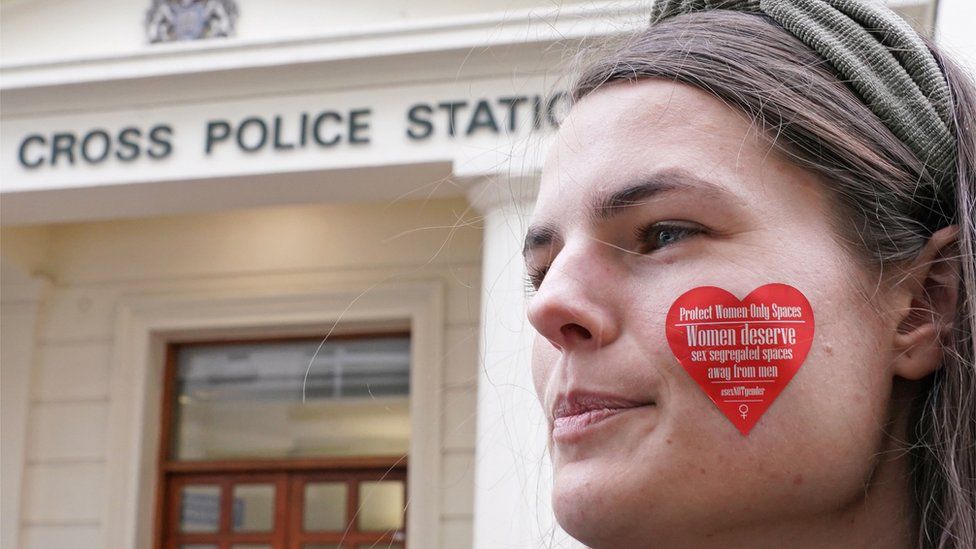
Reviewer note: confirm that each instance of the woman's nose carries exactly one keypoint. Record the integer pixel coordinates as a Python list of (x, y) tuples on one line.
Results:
[(573, 307)]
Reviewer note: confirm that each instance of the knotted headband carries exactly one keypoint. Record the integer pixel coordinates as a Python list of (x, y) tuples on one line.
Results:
[(876, 52)]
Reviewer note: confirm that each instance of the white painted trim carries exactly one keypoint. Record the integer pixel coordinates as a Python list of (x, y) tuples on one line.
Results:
[(146, 323), (481, 31)]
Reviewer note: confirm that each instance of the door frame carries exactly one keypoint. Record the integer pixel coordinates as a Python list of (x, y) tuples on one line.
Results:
[(358, 301)]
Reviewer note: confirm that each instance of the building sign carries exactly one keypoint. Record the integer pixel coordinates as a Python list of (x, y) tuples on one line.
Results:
[(456, 122), (272, 133)]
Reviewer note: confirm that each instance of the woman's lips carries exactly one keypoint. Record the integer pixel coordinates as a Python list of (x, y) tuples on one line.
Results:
[(578, 415)]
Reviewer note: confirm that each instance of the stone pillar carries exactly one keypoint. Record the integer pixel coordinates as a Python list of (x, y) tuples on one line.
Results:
[(513, 474)]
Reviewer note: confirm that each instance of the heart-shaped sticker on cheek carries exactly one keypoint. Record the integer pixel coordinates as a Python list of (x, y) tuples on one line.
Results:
[(742, 353)]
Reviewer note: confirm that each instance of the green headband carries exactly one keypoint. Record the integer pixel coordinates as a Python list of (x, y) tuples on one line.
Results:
[(876, 52)]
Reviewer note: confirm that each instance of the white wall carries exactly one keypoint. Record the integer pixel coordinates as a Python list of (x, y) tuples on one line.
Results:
[(954, 29), (95, 266)]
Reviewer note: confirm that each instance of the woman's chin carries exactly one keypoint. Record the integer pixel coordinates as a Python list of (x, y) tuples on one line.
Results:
[(592, 508)]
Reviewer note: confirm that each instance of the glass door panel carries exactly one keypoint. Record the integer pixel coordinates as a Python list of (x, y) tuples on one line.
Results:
[(199, 508), (253, 507), (381, 506), (325, 506)]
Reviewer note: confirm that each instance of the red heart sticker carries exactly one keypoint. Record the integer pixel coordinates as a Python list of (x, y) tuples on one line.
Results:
[(742, 353)]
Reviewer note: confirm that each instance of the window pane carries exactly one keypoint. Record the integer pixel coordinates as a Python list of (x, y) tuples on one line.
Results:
[(254, 508), (325, 506), (200, 508), (381, 505), (244, 400)]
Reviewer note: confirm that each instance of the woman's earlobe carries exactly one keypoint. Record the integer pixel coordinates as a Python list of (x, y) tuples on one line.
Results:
[(932, 282)]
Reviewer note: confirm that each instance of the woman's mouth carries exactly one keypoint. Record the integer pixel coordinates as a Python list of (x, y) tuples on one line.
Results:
[(579, 414)]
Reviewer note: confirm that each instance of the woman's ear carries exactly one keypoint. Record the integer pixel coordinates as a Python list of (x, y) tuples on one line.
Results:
[(931, 287)]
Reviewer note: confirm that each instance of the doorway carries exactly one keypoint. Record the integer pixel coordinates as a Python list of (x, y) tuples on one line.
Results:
[(285, 444)]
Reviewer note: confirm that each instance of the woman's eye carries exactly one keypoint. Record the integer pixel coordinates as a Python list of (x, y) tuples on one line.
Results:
[(651, 237), (659, 235)]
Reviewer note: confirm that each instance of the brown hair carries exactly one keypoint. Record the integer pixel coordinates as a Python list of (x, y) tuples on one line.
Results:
[(889, 203)]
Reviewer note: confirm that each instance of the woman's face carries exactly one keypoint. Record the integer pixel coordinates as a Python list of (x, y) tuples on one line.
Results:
[(730, 213)]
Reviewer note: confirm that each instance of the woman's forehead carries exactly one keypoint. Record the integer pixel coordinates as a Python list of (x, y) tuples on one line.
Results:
[(623, 110), (671, 134), (626, 131)]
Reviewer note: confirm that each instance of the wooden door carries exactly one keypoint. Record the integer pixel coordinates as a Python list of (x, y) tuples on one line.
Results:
[(341, 509)]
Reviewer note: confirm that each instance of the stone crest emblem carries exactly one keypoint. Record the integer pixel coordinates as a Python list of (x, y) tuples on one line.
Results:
[(173, 20)]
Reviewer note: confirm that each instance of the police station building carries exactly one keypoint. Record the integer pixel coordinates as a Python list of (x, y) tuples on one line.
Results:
[(261, 268)]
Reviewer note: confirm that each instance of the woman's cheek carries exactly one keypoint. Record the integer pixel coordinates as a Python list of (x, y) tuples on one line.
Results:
[(837, 394), (843, 387), (824, 430)]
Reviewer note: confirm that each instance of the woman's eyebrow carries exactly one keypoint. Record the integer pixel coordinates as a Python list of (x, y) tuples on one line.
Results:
[(606, 207), (658, 183)]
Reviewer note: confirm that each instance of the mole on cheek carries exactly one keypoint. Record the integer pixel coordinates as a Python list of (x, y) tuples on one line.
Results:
[(797, 480)]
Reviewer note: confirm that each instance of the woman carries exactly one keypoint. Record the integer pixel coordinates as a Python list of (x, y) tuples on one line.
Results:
[(717, 149)]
